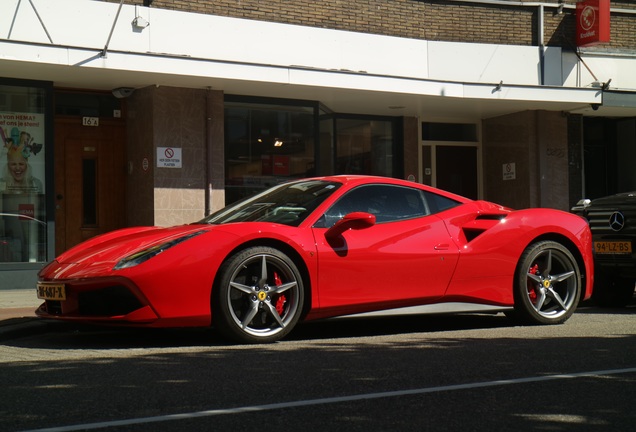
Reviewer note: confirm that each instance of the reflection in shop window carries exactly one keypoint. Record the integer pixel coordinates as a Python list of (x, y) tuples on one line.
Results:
[(22, 150), (266, 145), (364, 147)]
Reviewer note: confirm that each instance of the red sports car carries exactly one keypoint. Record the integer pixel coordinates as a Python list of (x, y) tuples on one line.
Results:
[(325, 247)]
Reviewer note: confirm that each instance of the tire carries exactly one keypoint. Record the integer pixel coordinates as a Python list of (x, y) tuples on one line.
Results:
[(547, 284), (259, 296), (612, 292)]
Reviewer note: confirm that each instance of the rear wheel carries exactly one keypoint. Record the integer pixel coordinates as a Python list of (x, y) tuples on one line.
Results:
[(259, 296), (547, 284)]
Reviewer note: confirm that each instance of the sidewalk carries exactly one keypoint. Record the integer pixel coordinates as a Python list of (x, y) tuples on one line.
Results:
[(18, 303), (17, 313)]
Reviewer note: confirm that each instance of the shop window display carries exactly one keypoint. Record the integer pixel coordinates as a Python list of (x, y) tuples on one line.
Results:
[(22, 203), (267, 144)]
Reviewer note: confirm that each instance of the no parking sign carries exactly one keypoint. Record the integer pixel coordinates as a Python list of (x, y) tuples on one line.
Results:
[(509, 171), (168, 157)]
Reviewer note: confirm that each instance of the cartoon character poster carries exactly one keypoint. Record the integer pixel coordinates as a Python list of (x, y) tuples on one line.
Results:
[(22, 173), (22, 139)]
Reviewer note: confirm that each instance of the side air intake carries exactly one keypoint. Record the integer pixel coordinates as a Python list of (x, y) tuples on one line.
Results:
[(481, 224)]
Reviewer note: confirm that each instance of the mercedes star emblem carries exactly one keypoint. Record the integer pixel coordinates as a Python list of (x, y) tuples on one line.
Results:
[(617, 221)]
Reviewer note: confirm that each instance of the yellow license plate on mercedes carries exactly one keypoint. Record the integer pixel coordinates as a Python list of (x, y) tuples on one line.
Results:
[(613, 247), (51, 291)]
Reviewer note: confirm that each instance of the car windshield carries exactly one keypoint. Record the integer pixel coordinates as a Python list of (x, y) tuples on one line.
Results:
[(287, 204)]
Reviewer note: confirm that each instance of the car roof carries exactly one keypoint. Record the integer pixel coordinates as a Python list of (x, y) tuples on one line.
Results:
[(353, 180)]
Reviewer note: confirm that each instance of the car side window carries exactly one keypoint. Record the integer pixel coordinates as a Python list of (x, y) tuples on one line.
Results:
[(437, 203), (387, 202)]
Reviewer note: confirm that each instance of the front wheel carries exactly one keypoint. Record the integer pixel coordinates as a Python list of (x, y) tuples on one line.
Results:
[(547, 284), (259, 296)]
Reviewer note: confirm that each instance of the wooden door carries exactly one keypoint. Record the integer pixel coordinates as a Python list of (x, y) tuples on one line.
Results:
[(89, 180)]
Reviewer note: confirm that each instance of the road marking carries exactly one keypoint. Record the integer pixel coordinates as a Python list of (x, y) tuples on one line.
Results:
[(324, 401)]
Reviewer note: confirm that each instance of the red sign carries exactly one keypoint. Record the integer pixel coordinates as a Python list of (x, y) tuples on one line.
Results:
[(26, 211), (281, 165), (592, 22)]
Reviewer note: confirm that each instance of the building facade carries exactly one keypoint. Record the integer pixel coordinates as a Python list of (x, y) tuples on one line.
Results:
[(157, 112)]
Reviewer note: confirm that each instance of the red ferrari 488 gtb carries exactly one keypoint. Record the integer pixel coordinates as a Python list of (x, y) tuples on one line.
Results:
[(325, 247)]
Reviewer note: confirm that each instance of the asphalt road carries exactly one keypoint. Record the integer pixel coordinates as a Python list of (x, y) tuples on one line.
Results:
[(415, 373)]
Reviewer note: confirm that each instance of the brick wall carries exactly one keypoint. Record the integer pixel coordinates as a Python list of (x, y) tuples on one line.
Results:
[(168, 196), (537, 143), (575, 158), (451, 21)]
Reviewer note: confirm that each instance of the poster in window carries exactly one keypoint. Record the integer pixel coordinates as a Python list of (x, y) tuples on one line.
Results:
[(22, 187)]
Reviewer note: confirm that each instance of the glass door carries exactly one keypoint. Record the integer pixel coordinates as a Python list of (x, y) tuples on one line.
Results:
[(457, 170), (451, 157)]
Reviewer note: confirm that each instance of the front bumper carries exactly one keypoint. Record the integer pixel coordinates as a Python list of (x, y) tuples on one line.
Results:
[(113, 299)]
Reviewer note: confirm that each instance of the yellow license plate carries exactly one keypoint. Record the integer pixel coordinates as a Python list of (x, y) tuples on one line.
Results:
[(51, 291), (613, 247)]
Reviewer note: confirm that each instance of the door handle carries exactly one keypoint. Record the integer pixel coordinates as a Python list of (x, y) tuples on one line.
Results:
[(442, 246)]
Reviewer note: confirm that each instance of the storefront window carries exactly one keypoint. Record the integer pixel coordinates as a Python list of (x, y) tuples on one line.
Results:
[(365, 146), (327, 142), (23, 233), (266, 144)]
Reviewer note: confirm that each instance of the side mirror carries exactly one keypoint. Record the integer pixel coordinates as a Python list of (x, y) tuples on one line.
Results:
[(355, 220)]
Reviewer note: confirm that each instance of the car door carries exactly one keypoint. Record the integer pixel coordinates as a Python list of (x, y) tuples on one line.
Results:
[(405, 257)]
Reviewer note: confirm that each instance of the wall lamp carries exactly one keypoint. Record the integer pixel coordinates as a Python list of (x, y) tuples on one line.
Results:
[(140, 23)]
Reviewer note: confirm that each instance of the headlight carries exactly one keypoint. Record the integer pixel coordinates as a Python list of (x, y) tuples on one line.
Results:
[(144, 255), (581, 206)]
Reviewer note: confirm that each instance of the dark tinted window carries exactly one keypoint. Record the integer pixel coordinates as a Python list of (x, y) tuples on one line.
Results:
[(267, 144), (461, 132), (438, 203), (388, 203), (87, 104)]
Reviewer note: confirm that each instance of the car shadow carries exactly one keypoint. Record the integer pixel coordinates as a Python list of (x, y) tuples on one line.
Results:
[(61, 335), (64, 336), (628, 310), (348, 327)]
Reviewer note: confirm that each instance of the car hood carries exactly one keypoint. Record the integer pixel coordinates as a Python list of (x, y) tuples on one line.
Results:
[(112, 247), (620, 200)]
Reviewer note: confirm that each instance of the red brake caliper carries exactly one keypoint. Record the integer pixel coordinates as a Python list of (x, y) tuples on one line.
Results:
[(532, 293), (280, 303)]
